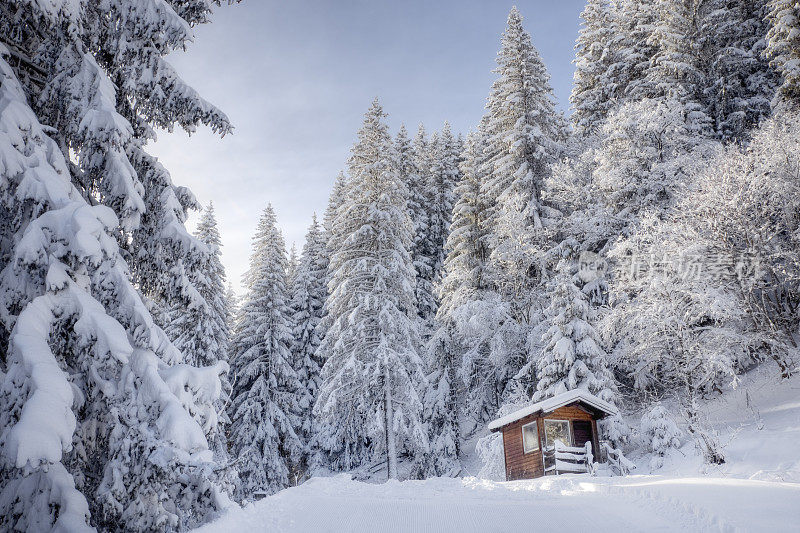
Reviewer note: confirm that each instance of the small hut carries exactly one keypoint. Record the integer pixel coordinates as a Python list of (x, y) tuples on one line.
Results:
[(554, 436)]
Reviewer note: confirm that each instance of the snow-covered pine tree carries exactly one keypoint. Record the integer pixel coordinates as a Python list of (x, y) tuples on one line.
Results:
[(232, 305), (739, 81), (414, 163), (264, 410), (369, 404), (573, 357), (202, 332), (633, 21), (100, 84), (292, 265), (526, 137), (647, 153), (406, 163), (467, 248), (329, 217), (464, 280), (308, 295), (594, 91), (444, 177), (660, 434), (476, 339), (783, 46), (421, 208), (161, 249), (675, 71)]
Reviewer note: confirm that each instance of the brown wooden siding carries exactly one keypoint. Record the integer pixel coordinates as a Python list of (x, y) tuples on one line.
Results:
[(520, 465)]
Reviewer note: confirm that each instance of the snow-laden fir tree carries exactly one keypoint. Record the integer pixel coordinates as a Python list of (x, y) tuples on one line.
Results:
[(335, 200), (526, 135), (67, 349), (414, 163), (292, 265), (444, 176), (675, 71), (634, 22), (739, 81), (406, 162), (264, 408), (201, 332), (421, 198), (70, 197), (660, 433), (595, 91), (647, 153), (783, 46), (464, 280), (476, 338), (308, 295), (369, 405), (232, 305), (163, 252), (573, 357)]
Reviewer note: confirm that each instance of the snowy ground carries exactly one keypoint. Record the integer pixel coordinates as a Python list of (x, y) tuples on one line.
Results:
[(758, 489)]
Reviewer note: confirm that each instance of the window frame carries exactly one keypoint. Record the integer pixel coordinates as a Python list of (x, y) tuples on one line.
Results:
[(538, 443), (560, 421)]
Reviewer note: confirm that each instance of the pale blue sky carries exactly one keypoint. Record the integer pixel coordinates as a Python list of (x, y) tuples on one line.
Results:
[(295, 77)]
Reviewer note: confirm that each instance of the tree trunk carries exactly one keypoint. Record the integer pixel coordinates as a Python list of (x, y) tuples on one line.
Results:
[(391, 451)]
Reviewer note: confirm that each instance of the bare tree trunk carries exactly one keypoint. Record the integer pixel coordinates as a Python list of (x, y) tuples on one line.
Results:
[(391, 450)]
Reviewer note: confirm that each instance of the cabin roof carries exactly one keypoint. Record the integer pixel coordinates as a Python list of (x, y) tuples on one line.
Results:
[(551, 404)]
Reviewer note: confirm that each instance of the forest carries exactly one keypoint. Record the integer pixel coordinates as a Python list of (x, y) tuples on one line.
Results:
[(645, 248)]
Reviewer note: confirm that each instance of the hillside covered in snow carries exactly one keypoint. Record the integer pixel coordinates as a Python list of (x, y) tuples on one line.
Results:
[(758, 489)]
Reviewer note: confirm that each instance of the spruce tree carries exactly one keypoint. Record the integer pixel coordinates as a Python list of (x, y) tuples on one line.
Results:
[(308, 295), (464, 280), (202, 332), (368, 404), (573, 357), (594, 91), (675, 71), (527, 133), (445, 175), (421, 206), (739, 81), (783, 46), (264, 410), (634, 22), (74, 195)]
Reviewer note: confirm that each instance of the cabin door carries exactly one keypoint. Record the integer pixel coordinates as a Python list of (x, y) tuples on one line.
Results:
[(582, 431)]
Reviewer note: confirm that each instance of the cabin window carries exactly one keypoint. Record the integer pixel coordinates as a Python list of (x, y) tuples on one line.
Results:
[(556, 430), (530, 437)]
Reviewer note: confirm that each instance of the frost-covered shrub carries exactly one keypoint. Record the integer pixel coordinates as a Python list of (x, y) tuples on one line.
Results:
[(490, 450), (616, 430), (660, 434), (490, 447)]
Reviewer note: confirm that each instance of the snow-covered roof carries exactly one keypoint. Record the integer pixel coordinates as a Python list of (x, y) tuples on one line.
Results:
[(551, 404)]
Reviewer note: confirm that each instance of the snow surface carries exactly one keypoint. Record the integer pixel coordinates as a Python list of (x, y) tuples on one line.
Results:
[(559, 400), (635, 503), (758, 489)]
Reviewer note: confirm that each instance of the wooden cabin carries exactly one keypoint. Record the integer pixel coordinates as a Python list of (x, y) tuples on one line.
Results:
[(553, 436)]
